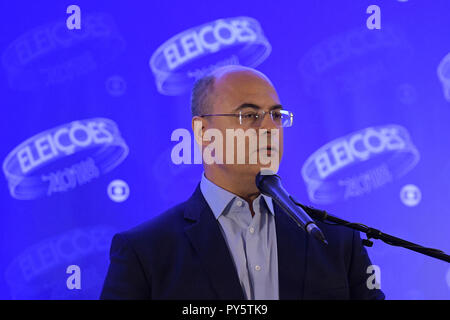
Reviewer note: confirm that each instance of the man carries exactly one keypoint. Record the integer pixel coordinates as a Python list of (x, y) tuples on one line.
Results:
[(228, 241)]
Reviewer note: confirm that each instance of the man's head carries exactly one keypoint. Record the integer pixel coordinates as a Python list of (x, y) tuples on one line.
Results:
[(221, 101)]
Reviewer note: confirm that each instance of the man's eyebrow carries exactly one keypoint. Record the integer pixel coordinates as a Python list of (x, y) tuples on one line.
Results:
[(254, 106)]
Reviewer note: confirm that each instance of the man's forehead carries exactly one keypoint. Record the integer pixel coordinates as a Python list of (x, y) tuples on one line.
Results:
[(239, 85), (235, 75)]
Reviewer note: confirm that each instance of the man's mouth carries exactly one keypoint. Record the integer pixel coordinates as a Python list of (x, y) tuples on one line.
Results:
[(269, 149)]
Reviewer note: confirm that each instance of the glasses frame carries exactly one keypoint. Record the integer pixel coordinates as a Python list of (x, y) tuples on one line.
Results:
[(261, 114)]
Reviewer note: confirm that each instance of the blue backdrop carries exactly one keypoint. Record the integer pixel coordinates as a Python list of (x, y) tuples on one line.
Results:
[(88, 114)]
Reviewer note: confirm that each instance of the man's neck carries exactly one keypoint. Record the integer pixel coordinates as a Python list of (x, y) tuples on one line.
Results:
[(241, 186)]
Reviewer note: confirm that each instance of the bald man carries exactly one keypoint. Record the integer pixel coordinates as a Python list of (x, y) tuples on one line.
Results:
[(228, 241)]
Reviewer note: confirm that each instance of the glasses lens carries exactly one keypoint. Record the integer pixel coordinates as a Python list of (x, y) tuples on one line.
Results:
[(286, 118), (282, 118), (248, 118)]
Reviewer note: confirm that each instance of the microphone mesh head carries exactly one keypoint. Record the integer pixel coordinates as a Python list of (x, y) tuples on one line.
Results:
[(263, 177), (266, 172)]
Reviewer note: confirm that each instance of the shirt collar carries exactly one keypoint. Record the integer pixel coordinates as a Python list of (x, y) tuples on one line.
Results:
[(218, 198)]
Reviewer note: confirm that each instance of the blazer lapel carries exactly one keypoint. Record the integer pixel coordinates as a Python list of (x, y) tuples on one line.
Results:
[(206, 237), (292, 244)]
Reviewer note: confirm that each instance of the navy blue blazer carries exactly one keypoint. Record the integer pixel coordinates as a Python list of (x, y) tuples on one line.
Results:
[(181, 254)]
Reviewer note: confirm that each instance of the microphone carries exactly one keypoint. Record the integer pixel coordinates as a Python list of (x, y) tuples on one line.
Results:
[(270, 185)]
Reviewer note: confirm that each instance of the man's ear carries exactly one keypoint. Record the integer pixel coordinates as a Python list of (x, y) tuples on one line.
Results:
[(198, 128)]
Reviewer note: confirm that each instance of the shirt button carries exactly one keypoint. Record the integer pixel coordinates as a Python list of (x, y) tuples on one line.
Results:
[(257, 268), (252, 230), (239, 203)]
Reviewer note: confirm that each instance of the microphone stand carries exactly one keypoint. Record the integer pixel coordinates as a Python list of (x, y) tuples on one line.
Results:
[(373, 233)]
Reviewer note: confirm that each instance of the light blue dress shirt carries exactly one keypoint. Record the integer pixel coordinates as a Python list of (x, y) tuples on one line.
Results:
[(251, 240)]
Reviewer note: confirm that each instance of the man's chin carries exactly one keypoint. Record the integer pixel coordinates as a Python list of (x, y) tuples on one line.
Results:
[(254, 169)]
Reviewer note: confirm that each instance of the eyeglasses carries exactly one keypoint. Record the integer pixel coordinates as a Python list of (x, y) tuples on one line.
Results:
[(281, 118)]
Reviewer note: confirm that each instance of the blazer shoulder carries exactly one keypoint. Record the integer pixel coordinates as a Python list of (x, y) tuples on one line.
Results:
[(165, 225)]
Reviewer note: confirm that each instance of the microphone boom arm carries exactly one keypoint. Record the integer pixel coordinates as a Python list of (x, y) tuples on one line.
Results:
[(373, 233)]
